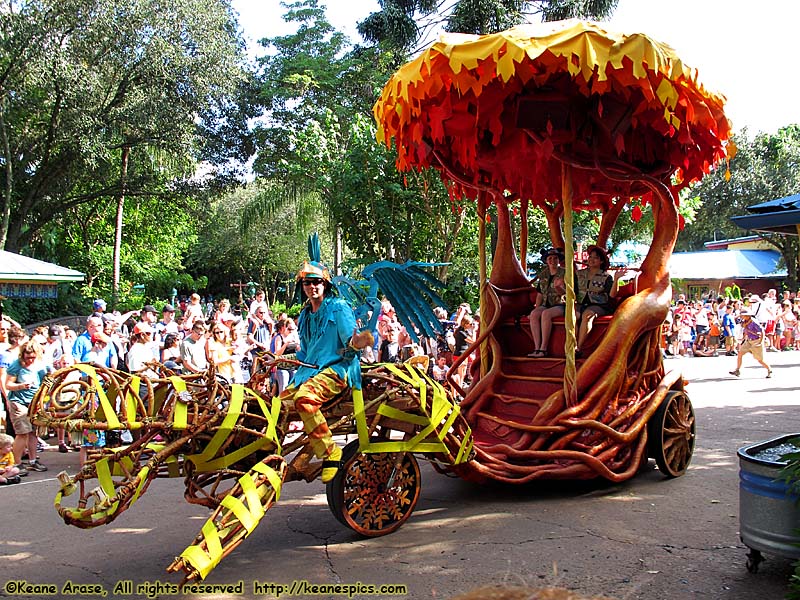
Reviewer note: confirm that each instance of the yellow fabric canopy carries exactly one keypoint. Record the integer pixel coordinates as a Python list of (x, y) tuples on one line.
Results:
[(498, 108)]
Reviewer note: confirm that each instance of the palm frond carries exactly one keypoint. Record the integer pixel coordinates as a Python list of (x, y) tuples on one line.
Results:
[(273, 196)]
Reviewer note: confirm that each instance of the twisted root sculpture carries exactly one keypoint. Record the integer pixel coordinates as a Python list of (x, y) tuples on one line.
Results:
[(601, 429)]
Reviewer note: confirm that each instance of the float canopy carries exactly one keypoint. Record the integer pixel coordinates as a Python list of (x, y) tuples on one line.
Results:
[(505, 111)]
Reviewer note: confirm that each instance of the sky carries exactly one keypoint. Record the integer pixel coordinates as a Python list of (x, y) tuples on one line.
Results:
[(740, 48)]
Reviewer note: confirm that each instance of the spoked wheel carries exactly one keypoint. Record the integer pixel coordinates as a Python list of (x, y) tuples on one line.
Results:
[(374, 494), (671, 434)]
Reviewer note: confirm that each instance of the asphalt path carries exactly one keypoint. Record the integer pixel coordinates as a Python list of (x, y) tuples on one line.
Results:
[(647, 538)]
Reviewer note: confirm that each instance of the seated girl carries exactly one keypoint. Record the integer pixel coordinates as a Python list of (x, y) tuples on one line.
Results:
[(596, 288), (549, 301)]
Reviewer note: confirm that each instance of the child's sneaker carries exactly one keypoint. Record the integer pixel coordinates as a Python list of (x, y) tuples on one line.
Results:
[(35, 465)]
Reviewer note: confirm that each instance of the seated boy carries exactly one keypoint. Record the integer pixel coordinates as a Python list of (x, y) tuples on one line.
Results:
[(9, 473)]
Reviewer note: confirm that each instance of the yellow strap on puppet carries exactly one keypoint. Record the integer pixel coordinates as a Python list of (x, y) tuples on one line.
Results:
[(108, 410), (181, 408), (131, 404), (249, 512), (208, 459), (171, 462), (431, 421)]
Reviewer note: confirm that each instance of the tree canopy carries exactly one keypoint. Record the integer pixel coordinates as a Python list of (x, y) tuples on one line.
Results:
[(408, 25), (766, 167), (145, 118), (105, 103)]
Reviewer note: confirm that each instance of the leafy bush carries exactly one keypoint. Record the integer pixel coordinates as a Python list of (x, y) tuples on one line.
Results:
[(279, 307)]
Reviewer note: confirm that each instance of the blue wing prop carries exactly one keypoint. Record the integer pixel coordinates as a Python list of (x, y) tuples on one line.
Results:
[(411, 290)]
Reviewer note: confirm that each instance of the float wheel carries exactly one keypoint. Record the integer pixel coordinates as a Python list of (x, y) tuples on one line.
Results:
[(671, 434), (374, 494)]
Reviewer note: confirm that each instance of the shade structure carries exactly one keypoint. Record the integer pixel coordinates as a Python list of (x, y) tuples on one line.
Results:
[(25, 277), (774, 216), (563, 116), (502, 109)]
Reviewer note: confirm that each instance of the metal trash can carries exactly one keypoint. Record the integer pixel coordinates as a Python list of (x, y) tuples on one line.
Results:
[(769, 516)]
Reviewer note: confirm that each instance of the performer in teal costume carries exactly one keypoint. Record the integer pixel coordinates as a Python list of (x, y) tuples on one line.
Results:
[(329, 346)]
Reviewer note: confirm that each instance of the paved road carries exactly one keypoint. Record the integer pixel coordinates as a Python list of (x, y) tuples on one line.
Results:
[(649, 538)]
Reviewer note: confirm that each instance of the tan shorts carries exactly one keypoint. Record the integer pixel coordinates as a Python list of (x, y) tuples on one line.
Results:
[(757, 350), (19, 417)]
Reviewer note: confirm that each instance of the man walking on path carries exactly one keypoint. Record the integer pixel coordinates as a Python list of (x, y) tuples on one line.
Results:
[(752, 342)]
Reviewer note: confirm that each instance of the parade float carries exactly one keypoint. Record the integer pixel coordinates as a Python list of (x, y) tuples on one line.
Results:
[(561, 117)]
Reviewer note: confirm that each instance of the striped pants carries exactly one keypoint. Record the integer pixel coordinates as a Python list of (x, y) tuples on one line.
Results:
[(308, 398)]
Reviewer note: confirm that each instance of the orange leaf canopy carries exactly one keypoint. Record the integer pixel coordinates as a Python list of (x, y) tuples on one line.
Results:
[(503, 111)]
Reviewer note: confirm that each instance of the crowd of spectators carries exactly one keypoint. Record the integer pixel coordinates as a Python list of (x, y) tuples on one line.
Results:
[(434, 355), (210, 335), (137, 342), (713, 325), (190, 339)]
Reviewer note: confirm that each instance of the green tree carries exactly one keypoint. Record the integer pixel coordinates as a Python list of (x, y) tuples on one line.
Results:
[(84, 83), (318, 148), (267, 253), (408, 24), (764, 168)]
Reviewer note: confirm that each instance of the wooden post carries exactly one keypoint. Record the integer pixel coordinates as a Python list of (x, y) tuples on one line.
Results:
[(483, 202), (240, 286), (570, 393)]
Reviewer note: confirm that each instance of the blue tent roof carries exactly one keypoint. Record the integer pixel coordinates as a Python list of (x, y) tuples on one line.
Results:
[(787, 203), (774, 216), (726, 264)]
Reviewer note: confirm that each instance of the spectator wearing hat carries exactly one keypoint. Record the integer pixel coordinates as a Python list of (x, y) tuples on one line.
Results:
[(167, 325), (54, 349), (149, 315), (141, 351), (550, 302), (98, 307), (752, 342)]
